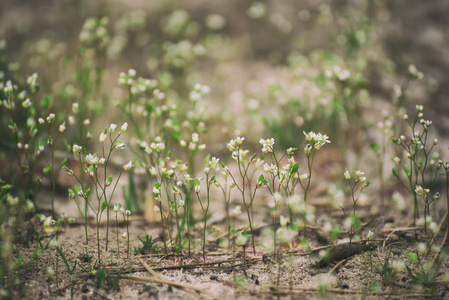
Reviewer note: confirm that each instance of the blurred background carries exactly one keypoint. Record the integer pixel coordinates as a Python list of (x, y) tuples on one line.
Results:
[(274, 68)]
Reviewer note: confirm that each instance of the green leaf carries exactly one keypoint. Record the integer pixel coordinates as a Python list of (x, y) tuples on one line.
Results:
[(46, 102), (407, 171), (71, 193), (77, 189), (413, 257), (395, 172), (64, 162), (104, 205), (67, 145), (375, 147), (197, 182), (88, 192), (396, 141), (261, 179), (7, 187), (355, 221), (295, 168)]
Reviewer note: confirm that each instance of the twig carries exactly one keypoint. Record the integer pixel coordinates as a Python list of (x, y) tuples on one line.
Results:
[(337, 265), (172, 283), (150, 270), (442, 243), (289, 289)]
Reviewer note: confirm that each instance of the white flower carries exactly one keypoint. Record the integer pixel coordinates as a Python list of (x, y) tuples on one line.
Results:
[(102, 137), (132, 72), (124, 127), (77, 148), (92, 159), (128, 166), (308, 148), (156, 208), (112, 128), (239, 140), (195, 137), (304, 177), (75, 107), (124, 235), (267, 145), (121, 146), (86, 122)]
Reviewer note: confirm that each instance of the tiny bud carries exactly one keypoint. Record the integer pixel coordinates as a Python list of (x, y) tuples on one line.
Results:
[(435, 141)]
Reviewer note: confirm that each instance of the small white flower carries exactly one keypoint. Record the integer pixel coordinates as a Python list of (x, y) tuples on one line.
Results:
[(156, 208), (112, 128), (128, 166), (124, 235), (92, 159), (124, 127), (102, 137), (121, 146), (77, 148), (304, 177), (75, 107)]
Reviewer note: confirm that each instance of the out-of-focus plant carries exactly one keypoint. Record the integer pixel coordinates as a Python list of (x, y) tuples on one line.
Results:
[(354, 220)]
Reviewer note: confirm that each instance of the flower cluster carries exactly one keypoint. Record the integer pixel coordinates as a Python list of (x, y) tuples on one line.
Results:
[(267, 145), (318, 140), (234, 144)]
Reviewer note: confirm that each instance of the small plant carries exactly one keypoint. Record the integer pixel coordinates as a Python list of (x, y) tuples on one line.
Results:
[(149, 246), (426, 274), (104, 278), (359, 178), (69, 269), (243, 240), (420, 166), (389, 268), (90, 165)]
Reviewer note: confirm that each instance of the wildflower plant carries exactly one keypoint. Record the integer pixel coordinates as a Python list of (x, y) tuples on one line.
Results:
[(94, 170), (359, 179), (244, 185), (420, 164)]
